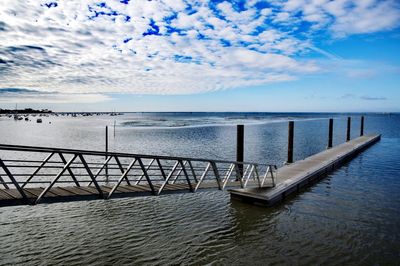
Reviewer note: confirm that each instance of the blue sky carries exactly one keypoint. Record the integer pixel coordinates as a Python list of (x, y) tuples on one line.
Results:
[(177, 55)]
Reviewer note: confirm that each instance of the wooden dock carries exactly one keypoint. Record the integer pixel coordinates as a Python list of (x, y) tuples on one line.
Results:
[(33, 175), (291, 178), (11, 197)]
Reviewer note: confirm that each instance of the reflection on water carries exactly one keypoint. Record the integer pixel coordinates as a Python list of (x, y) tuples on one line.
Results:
[(351, 217)]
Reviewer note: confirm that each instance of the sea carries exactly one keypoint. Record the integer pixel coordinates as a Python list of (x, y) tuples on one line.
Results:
[(350, 217)]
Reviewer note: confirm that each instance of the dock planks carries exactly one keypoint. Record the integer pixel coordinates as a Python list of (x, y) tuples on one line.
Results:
[(292, 177), (11, 197)]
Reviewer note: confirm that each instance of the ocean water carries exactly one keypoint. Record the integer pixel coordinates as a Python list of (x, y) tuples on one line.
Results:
[(351, 217)]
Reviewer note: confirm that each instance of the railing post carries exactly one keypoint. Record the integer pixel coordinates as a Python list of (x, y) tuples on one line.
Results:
[(330, 134), (240, 147), (106, 148), (348, 128), (362, 126), (290, 142)]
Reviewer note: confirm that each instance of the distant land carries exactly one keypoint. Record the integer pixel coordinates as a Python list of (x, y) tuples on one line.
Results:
[(24, 111)]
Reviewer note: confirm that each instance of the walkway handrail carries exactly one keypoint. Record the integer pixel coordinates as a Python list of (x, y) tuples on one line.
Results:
[(152, 170), (103, 153)]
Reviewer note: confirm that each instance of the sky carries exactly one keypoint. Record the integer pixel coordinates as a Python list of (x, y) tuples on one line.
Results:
[(177, 55)]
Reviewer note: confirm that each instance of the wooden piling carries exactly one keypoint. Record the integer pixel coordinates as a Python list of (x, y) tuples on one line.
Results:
[(330, 134), (348, 128), (106, 148), (362, 126), (240, 146), (290, 142)]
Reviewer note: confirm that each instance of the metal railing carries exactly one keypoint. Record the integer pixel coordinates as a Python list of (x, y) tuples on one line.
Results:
[(28, 166)]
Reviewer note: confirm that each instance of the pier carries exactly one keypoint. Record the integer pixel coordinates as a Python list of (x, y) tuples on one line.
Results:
[(294, 176), (31, 175)]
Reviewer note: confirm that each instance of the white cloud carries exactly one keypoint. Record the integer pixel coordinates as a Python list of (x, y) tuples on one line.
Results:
[(32, 96), (168, 47), (345, 17)]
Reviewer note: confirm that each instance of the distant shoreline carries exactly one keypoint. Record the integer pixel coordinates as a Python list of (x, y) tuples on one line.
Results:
[(47, 111), (25, 111)]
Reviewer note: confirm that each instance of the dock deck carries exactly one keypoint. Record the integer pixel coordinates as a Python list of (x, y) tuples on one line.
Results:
[(32, 175), (11, 197), (293, 177)]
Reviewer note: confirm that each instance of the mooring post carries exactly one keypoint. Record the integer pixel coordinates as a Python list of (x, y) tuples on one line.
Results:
[(362, 126), (240, 147), (348, 128), (290, 142), (330, 137), (106, 152), (114, 129)]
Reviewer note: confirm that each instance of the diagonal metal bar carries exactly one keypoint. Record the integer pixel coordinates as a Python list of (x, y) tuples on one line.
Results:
[(124, 174), (186, 175), (193, 172), (15, 183), (257, 175), (101, 169), (272, 174), (202, 177), (247, 169), (66, 166), (265, 176), (101, 195), (69, 169), (228, 175), (239, 175), (38, 169), (161, 169), (179, 173), (228, 172), (245, 173), (216, 174), (3, 183), (249, 175), (147, 168), (153, 191), (167, 178), (122, 169)]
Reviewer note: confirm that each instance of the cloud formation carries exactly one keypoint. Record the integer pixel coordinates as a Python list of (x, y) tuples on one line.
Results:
[(18, 95), (364, 97), (172, 46), (372, 98)]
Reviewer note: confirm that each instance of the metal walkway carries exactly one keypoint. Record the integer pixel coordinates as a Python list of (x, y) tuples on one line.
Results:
[(31, 175)]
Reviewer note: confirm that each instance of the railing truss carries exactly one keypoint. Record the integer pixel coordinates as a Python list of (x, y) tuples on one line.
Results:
[(115, 173)]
